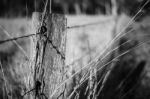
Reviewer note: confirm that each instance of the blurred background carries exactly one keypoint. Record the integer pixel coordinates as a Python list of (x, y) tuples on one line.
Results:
[(15, 8), (111, 17), (26, 7)]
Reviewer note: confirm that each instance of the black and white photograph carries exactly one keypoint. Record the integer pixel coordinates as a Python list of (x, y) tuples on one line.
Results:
[(74, 49)]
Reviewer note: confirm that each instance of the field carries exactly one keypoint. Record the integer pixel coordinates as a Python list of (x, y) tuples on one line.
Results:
[(77, 39), (80, 42), (87, 42)]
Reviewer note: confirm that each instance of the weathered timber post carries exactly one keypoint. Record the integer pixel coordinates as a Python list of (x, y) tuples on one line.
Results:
[(49, 56)]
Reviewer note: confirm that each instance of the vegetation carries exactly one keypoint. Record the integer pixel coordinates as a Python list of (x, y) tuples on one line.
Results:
[(126, 77), (26, 7)]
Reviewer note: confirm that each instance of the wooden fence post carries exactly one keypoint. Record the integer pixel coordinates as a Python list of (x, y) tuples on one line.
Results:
[(49, 55)]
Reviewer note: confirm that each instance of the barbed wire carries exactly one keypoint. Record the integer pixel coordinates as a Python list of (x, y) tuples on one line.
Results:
[(16, 38), (95, 59), (16, 43), (89, 24), (54, 46), (30, 35), (69, 27)]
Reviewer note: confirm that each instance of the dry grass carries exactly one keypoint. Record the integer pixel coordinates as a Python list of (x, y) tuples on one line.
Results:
[(84, 80)]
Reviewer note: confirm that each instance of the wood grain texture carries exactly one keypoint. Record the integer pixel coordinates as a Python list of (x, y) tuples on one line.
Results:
[(48, 64)]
